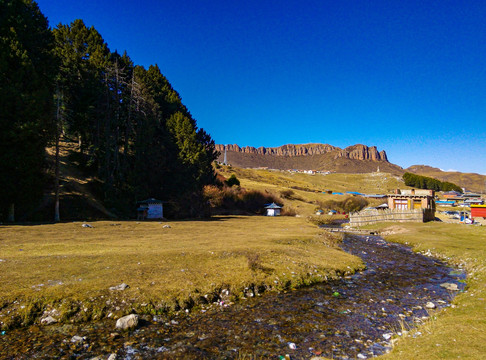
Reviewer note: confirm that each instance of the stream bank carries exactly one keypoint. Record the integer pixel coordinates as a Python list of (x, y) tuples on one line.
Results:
[(351, 318)]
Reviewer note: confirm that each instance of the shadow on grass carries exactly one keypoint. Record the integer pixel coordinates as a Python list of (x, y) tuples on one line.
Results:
[(211, 219)]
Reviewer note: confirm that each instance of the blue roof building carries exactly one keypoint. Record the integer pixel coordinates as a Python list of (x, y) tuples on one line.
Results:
[(273, 209)]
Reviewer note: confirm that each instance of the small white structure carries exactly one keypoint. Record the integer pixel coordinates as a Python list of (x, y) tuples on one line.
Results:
[(273, 209), (150, 209)]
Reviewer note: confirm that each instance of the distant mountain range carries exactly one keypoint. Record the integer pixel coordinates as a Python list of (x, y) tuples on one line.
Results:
[(323, 157), (320, 157)]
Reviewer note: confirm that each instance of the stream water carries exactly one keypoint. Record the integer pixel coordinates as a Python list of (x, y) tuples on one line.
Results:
[(346, 319)]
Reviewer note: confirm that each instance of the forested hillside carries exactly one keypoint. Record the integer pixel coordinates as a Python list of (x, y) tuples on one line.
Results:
[(470, 181), (424, 182), (134, 135)]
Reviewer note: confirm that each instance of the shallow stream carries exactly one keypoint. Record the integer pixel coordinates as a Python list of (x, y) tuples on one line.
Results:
[(347, 319)]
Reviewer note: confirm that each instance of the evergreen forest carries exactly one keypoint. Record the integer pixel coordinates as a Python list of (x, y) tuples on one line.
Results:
[(424, 182), (134, 134)]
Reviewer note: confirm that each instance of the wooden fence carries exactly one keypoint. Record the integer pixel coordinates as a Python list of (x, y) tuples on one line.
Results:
[(375, 216)]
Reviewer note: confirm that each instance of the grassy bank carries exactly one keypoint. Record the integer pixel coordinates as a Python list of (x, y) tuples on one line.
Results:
[(458, 332), (66, 270)]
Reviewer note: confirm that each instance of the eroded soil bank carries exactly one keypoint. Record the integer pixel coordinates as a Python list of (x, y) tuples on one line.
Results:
[(351, 318)]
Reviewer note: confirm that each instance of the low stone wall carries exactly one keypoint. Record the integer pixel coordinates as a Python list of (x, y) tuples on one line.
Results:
[(375, 216)]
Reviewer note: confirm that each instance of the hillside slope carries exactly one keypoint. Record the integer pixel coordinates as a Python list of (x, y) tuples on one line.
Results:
[(304, 192), (76, 197), (470, 181)]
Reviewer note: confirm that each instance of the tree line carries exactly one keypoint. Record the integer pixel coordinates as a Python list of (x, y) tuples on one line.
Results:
[(135, 135), (424, 182)]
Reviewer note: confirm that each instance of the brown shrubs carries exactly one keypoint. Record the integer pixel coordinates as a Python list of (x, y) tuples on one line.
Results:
[(348, 204), (237, 200), (287, 194), (322, 219), (288, 211)]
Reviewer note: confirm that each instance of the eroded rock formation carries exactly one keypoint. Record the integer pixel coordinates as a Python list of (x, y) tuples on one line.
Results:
[(356, 152)]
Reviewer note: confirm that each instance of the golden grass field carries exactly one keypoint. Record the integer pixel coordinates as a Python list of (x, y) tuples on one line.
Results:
[(47, 265), (308, 188)]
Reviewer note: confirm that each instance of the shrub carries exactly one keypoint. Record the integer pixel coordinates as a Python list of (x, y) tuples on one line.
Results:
[(354, 204), (321, 220), (233, 180), (287, 194), (329, 205), (214, 195), (349, 204), (290, 195), (288, 211), (253, 200), (237, 200)]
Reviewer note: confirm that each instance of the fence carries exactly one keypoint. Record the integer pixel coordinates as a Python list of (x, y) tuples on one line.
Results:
[(374, 216)]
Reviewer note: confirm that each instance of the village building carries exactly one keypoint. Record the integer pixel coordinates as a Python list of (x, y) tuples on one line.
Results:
[(375, 196), (478, 213), (451, 194), (455, 200), (273, 209), (470, 195), (445, 203), (414, 199), (150, 209), (474, 201)]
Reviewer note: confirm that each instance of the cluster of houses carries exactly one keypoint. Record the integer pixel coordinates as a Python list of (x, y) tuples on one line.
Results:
[(309, 172), (426, 200), (401, 200), (454, 198), (467, 199), (295, 171)]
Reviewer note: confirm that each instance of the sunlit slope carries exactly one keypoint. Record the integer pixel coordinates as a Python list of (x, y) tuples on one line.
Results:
[(308, 189)]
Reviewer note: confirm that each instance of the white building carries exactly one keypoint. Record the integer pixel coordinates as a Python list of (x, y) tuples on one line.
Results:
[(273, 209), (150, 209)]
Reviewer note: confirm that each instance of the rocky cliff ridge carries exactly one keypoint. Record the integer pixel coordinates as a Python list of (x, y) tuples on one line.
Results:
[(356, 152)]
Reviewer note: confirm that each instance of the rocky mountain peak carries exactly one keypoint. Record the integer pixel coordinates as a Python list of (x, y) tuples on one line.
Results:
[(356, 152)]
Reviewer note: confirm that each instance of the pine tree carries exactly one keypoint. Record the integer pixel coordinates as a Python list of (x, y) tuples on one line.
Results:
[(84, 57), (130, 123), (27, 69)]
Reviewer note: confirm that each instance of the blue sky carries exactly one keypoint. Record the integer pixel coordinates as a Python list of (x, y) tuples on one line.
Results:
[(406, 76)]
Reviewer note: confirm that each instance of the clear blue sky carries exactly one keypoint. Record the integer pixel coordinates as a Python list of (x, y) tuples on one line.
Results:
[(406, 76)]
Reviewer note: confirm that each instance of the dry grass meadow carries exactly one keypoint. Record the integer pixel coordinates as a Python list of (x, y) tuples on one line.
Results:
[(308, 189), (67, 268)]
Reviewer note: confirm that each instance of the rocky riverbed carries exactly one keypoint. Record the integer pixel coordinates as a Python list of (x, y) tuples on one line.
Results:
[(356, 317)]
